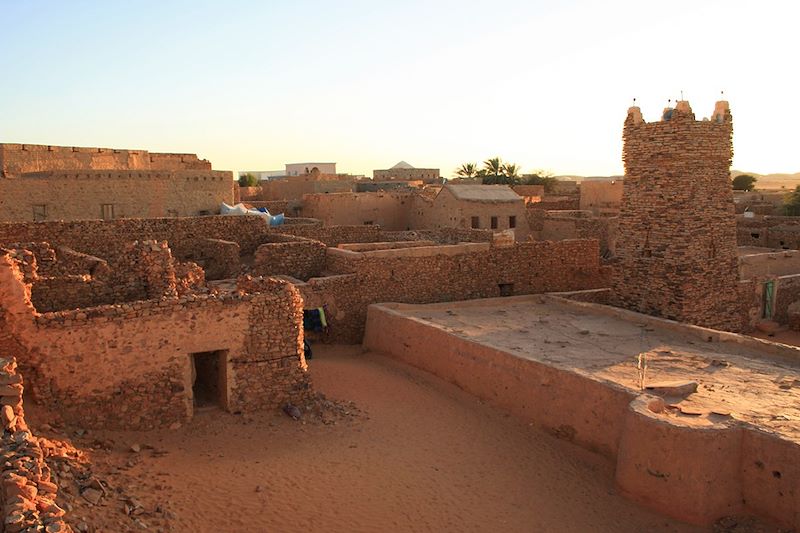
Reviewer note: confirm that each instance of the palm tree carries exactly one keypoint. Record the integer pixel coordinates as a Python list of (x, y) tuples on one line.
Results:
[(511, 171), (493, 167), (467, 170)]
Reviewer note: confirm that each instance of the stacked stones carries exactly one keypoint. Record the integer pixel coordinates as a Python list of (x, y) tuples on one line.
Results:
[(153, 260), (289, 255), (27, 492), (677, 228), (190, 278), (272, 371), (219, 258)]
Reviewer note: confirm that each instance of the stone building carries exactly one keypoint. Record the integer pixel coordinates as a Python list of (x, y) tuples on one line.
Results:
[(494, 207), (402, 171), (676, 247), (64, 183)]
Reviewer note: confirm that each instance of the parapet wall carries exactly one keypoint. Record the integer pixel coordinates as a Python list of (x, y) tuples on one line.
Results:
[(695, 473), (24, 158)]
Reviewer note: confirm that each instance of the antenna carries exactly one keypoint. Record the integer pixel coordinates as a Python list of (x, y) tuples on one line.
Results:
[(681, 95)]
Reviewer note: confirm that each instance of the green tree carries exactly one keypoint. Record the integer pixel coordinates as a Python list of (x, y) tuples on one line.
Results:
[(791, 204), (467, 170), (744, 182), (248, 180), (493, 167), (541, 177), (511, 171)]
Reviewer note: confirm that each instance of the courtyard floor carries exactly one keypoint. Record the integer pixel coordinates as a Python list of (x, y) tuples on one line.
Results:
[(415, 454)]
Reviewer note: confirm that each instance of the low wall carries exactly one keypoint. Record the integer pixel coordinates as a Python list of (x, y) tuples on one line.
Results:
[(695, 474), (291, 256), (449, 273)]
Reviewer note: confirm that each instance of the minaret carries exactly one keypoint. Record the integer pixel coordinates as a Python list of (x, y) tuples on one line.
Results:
[(676, 246)]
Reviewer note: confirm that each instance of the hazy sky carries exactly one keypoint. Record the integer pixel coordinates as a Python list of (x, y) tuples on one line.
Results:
[(254, 85)]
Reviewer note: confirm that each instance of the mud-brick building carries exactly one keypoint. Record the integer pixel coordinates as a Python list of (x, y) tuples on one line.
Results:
[(676, 248)]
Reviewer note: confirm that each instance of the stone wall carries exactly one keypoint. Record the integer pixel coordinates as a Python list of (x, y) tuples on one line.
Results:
[(27, 493), (289, 255), (220, 259), (556, 203), (129, 365), (560, 225), (676, 247), (81, 195), (442, 274), (24, 158), (769, 232)]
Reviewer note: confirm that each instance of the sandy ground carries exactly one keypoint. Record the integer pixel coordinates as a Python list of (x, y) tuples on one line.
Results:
[(415, 454), (734, 381)]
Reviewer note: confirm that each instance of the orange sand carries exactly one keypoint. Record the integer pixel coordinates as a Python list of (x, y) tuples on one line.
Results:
[(425, 456)]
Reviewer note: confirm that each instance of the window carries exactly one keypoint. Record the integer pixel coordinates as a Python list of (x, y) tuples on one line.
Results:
[(512, 221), (476, 222), (494, 222), (39, 212), (107, 211), (367, 222)]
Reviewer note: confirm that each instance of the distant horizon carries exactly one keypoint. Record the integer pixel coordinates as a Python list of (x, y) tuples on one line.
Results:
[(253, 85)]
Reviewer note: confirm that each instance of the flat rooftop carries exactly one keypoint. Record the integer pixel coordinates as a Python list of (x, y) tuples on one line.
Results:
[(739, 377)]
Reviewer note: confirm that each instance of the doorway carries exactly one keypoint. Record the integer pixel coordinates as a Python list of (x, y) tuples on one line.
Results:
[(769, 300), (210, 378)]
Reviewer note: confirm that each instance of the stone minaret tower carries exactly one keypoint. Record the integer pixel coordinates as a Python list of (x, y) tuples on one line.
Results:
[(676, 246)]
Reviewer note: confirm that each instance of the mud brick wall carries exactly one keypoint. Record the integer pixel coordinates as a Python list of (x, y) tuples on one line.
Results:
[(28, 493), (290, 255), (525, 268), (676, 247)]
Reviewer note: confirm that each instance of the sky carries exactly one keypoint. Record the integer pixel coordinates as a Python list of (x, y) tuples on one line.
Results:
[(252, 85)]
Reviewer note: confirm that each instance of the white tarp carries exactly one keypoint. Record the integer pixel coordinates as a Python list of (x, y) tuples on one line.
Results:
[(241, 210)]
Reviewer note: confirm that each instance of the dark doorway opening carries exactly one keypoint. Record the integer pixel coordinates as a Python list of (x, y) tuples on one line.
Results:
[(210, 378), (506, 289)]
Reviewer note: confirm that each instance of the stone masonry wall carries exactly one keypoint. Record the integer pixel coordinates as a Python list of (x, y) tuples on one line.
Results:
[(23, 158), (81, 195), (27, 492), (129, 366), (524, 268), (676, 246), (289, 255)]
